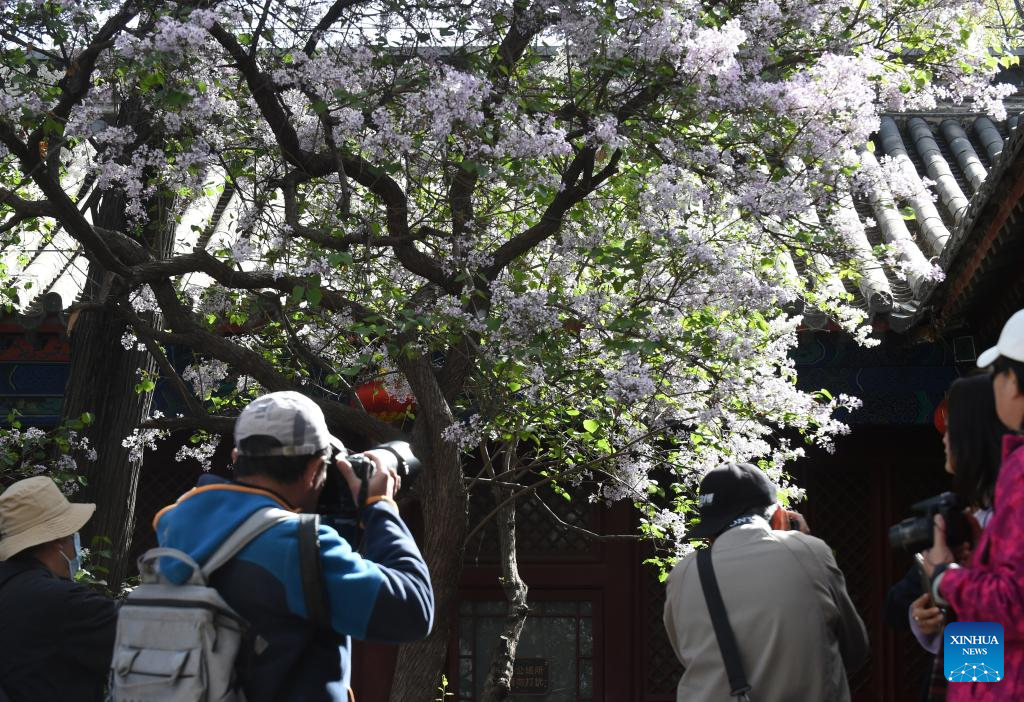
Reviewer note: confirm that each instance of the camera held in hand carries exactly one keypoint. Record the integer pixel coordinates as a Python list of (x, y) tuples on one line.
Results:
[(336, 498), (915, 533)]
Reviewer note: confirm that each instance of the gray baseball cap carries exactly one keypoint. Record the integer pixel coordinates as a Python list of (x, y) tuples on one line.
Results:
[(294, 420)]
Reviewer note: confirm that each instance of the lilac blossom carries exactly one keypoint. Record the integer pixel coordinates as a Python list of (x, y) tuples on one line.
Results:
[(205, 376), (637, 321), (201, 453)]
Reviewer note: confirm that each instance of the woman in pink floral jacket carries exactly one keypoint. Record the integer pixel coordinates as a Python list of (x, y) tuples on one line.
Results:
[(991, 588)]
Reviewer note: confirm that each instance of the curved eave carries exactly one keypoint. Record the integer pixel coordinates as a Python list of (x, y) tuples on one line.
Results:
[(984, 255)]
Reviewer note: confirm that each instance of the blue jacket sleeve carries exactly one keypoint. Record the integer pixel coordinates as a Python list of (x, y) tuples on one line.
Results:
[(385, 593)]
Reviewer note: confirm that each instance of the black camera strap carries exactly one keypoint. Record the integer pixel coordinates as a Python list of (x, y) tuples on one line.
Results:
[(312, 572), (738, 686)]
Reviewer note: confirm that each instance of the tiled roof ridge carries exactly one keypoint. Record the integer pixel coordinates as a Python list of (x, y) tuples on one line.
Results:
[(964, 155), (1011, 150)]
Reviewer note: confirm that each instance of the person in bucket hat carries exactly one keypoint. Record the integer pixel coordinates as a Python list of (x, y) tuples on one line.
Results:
[(56, 635), (798, 633), (33, 512)]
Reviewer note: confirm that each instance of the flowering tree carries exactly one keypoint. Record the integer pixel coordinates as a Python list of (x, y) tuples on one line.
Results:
[(571, 230), (26, 452)]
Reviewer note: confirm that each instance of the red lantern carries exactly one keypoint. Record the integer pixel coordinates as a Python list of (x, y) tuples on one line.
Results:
[(942, 416), (380, 404)]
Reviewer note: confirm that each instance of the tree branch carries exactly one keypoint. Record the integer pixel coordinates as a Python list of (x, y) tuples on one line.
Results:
[(510, 51), (560, 475), (499, 678), (34, 47), (572, 192), (191, 334), (332, 16), (26, 208), (259, 29), (265, 93), (78, 78), (211, 423), (200, 261), (143, 331), (375, 179), (580, 530), (64, 209)]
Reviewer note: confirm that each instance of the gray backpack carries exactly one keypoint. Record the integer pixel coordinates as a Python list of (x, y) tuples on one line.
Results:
[(179, 643)]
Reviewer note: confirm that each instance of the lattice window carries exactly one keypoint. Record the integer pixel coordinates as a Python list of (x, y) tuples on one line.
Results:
[(539, 536), (162, 480), (916, 481), (842, 499), (663, 668), (554, 659)]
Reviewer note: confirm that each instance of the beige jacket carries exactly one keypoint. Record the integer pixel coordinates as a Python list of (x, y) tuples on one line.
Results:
[(797, 630)]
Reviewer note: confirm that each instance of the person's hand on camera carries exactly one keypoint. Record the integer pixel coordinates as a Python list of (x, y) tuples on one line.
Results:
[(383, 482), (940, 552), (798, 521), (928, 618), (787, 520)]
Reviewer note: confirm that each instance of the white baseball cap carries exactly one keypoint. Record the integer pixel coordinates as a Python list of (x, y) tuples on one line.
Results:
[(1010, 344), (294, 420)]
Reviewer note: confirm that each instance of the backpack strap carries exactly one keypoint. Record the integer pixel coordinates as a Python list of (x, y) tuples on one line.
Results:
[(259, 522), (310, 568), (738, 686), (309, 555), (149, 563)]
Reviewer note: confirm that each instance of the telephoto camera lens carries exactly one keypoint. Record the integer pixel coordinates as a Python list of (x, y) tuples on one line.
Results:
[(915, 534), (912, 534)]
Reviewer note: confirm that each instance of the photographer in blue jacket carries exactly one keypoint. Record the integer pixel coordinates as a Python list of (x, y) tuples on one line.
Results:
[(283, 457)]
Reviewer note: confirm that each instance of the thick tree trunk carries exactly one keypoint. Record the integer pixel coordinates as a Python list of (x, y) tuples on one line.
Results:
[(443, 497), (444, 507), (499, 679), (102, 381)]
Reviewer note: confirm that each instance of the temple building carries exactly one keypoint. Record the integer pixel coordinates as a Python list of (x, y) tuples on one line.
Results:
[(594, 631)]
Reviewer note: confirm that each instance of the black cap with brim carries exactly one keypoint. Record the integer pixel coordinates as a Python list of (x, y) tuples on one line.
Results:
[(729, 492)]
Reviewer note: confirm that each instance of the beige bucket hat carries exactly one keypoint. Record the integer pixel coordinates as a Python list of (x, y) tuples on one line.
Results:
[(34, 511)]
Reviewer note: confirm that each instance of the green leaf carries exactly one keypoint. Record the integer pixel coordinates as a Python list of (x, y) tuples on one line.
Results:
[(337, 258), (176, 98), (590, 425), (145, 386)]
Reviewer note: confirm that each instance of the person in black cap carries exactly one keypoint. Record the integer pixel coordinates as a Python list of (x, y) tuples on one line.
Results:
[(797, 632)]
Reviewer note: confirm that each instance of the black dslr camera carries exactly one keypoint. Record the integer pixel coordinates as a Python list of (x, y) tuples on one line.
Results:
[(915, 533), (336, 498)]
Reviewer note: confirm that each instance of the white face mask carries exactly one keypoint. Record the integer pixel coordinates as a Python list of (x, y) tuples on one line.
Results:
[(74, 564)]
